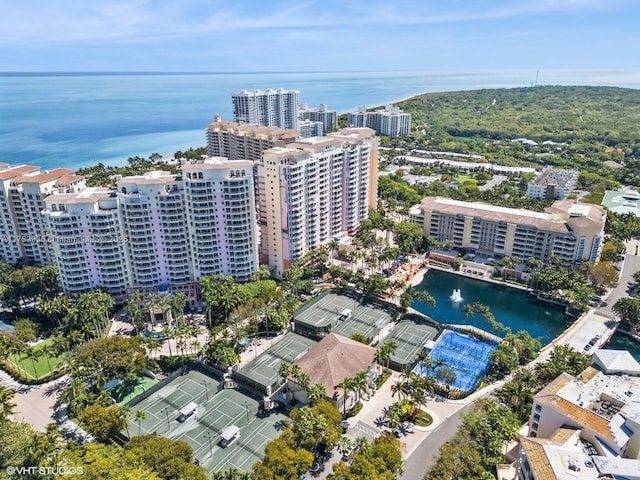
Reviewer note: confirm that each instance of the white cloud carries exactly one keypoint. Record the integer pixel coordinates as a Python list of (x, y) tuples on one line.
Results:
[(37, 21)]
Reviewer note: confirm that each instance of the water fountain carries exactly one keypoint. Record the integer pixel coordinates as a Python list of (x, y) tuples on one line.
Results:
[(456, 296)]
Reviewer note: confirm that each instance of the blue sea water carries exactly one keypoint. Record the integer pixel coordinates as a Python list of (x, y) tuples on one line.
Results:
[(74, 120)]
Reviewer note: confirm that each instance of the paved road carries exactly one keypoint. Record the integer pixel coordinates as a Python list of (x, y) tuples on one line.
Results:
[(426, 453), (631, 265)]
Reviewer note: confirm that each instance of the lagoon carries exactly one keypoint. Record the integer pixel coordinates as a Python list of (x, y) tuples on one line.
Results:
[(512, 307), (620, 341)]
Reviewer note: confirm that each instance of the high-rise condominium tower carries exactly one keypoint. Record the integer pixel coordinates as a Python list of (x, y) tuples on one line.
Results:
[(269, 108), (158, 231), (313, 190)]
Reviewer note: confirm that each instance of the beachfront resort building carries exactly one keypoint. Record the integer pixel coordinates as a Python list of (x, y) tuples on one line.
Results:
[(22, 192), (268, 108), (237, 141), (390, 121), (313, 190), (157, 231), (329, 118), (552, 184), (570, 230), (586, 426)]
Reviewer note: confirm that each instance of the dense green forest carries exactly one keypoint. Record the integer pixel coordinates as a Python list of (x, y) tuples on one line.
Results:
[(605, 115), (593, 129)]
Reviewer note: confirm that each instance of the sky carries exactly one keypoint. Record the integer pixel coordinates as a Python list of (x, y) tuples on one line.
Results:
[(310, 35)]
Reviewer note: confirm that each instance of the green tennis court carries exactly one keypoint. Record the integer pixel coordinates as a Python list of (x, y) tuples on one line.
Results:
[(410, 335), (261, 373), (216, 411), (324, 315)]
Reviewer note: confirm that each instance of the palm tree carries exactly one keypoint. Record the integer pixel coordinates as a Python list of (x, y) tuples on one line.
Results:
[(347, 385), (316, 392), (153, 345), (168, 334), (344, 444), (33, 355), (360, 384), (6, 405), (400, 388), (628, 309), (139, 416), (380, 357), (178, 302), (124, 413), (48, 350), (390, 347), (361, 445), (333, 247), (284, 370)]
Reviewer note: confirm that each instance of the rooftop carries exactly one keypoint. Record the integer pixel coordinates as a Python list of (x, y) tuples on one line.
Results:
[(598, 402), (335, 358), (616, 361), (558, 177), (12, 172), (37, 177), (626, 468), (560, 457), (561, 216), (622, 201)]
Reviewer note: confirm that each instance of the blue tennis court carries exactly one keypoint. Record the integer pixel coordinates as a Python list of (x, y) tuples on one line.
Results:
[(467, 357)]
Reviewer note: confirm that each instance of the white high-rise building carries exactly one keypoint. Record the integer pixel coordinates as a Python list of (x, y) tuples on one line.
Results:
[(329, 118), (158, 231), (88, 248), (390, 120), (269, 108), (11, 246), (312, 191), (309, 128), (221, 217), (24, 195), (154, 228)]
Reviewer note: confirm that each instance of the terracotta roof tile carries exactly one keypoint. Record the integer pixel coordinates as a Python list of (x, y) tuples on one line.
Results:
[(43, 177), (335, 358), (17, 171), (538, 460)]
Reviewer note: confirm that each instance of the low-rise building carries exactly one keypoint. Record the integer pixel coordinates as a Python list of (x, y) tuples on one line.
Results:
[(330, 362), (552, 184)]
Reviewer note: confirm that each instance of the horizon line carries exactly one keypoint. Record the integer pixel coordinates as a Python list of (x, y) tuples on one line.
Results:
[(250, 72)]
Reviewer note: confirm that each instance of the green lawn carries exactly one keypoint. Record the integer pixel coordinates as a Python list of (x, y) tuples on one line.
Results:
[(464, 178), (42, 366), (126, 391)]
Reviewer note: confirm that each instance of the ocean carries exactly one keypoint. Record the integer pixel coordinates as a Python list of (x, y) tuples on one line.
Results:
[(78, 119)]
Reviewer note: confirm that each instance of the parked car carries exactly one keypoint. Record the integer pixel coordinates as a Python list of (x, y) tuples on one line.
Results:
[(346, 455)]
